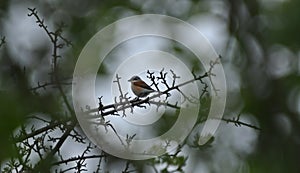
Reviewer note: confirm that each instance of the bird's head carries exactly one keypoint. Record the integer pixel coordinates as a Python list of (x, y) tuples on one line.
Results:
[(134, 79)]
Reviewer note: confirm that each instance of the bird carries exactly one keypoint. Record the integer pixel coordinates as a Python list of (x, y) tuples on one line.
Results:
[(139, 87)]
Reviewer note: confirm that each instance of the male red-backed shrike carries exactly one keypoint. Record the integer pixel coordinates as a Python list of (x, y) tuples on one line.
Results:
[(139, 87)]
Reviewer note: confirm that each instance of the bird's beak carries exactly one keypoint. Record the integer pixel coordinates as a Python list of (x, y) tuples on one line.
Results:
[(129, 80)]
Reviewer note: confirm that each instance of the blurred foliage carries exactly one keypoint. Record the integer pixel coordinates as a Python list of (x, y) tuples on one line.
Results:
[(3, 7), (285, 24)]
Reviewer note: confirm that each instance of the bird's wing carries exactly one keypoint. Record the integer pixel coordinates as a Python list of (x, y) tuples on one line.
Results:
[(143, 85)]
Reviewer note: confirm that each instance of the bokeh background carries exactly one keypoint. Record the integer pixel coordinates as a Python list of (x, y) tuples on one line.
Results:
[(257, 39)]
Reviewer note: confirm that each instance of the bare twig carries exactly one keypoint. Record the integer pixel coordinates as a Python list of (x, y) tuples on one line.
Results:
[(46, 84), (174, 77), (162, 78), (78, 158), (236, 121), (2, 41), (126, 169), (152, 77), (51, 125), (239, 123), (119, 85), (210, 74)]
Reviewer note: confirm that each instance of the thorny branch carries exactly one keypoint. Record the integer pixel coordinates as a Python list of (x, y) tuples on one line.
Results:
[(236, 121), (52, 125), (37, 140), (128, 103), (78, 158), (210, 74), (56, 45), (48, 84), (152, 77), (112, 109)]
